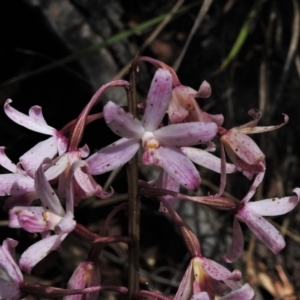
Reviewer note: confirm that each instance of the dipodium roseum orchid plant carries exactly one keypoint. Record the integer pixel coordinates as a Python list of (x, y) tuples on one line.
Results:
[(171, 132)]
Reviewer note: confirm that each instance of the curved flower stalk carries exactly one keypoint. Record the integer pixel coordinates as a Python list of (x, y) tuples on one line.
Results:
[(35, 121), (160, 144), (50, 217), (251, 213), (10, 289)]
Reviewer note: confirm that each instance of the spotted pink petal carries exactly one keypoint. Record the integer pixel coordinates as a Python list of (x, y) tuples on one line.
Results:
[(176, 164), (237, 245), (47, 194), (33, 122), (186, 134), (262, 229), (10, 290), (275, 206), (15, 184), (218, 272), (5, 162), (185, 289), (157, 100), (246, 292), (8, 260), (39, 250), (206, 159), (122, 123), (112, 156), (34, 157)]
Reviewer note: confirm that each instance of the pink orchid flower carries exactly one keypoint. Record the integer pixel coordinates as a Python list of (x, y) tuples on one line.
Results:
[(204, 279), (10, 289), (35, 121), (50, 217), (160, 144), (251, 213)]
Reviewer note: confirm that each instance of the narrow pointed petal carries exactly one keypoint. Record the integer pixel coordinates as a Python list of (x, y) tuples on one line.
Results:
[(262, 229), (257, 181), (39, 250), (36, 113), (206, 159), (9, 290), (237, 245), (275, 206), (47, 194), (185, 289), (112, 156), (59, 165), (246, 292), (34, 157), (8, 260), (218, 272), (186, 134), (31, 123), (157, 100), (122, 123), (176, 164), (15, 184), (5, 162)]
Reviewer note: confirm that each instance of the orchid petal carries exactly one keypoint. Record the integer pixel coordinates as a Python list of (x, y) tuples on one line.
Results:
[(262, 229), (20, 200), (32, 123), (186, 134), (46, 193), (257, 181), (185, 289), (157, 100), (34, 157), (275, 206), (206, 159), (112, 156), (201, 296), (29, 218), (204, 90), (62, 145), (66, 224), (218, 272), (39, 250), (15, 184), (174, 163), (246, 292), (59, 164), (237, 245), (8, 260), (9, 290), (6, 163), (122, 123), (36, 113)]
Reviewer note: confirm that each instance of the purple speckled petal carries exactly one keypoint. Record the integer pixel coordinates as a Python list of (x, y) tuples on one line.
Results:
[(176, 164), (186, 134), (122, 123), (8, 260), (246, 292), (112, 156), (34, 157), (185, 289), (39, 250), (218, 272), (262, 229), (157, 100), (275, 206), (5, 162), (237, 245), (206, 159), (15, 184), (33, 122)]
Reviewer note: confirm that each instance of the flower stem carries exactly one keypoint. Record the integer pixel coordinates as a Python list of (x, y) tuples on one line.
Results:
[(133, 199)]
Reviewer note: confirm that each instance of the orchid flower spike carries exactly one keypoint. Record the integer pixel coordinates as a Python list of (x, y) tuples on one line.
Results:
[(251, 213), (50, 217), (160, 144), (35, 121)]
